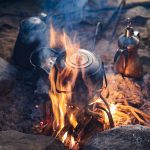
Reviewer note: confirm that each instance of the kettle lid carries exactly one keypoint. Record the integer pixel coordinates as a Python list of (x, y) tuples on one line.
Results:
[(82, 59)]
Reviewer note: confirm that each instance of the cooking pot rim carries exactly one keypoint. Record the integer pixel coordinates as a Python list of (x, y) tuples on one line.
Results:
[(37, 51)]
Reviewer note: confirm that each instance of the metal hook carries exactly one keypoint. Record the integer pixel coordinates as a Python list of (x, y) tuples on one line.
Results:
[(99, 24)]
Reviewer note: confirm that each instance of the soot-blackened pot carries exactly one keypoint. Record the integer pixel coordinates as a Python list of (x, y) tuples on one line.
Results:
[(89, 79), (32, 35), (43, 60)]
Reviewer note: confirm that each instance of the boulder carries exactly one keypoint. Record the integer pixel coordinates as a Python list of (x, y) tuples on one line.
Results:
[(137, 11), (7, 76), (148, 26), (14, 140), (125, 137)]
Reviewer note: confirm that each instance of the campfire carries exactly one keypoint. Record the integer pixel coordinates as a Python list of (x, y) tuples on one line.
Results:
[(80, 104), (75, 74)]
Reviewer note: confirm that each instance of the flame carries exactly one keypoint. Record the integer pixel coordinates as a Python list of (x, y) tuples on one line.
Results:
[(63, 81), (73, 120), (113, 112), (113, 109), (72, 142), (53, 37), (64, 137), (62, 40)]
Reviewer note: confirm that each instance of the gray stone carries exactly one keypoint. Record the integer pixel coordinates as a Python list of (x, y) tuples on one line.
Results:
[(14, 140), (121, 138), (148, 26), (137, 11), (7, 76)]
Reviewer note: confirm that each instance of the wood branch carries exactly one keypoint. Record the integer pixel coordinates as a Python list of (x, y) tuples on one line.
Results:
[(135, 112)]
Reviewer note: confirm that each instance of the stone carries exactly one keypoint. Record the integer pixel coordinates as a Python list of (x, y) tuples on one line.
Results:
[(14, 140), (136, 1), (144, 34), (137, 11), (125, 137), (148, 26), (146, 108), (7, 76)]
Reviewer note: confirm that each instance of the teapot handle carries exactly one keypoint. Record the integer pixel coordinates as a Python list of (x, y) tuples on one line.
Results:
[(123, 52), (118, 53)]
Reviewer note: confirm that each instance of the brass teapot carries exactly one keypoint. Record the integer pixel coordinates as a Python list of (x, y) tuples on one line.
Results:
[(127, 61)]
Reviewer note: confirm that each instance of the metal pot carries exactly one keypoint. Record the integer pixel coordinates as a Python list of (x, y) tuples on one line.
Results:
[(85, 87), (127, 61), (30, 38), (42, 60)]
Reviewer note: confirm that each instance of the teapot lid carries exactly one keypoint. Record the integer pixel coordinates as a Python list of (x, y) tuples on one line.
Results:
[(129, 38), (129, 29)]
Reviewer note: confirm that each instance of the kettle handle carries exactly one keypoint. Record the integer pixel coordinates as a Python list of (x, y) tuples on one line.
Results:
[(98, 27), (125, 54), (105, 78)]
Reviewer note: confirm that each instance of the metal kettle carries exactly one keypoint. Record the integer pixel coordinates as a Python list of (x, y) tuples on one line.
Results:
[(30, 38), (90, 75), (127, 61)]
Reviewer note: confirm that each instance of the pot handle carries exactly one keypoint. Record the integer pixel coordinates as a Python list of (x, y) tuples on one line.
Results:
[(125, 54), (98, 27), (104, 75)]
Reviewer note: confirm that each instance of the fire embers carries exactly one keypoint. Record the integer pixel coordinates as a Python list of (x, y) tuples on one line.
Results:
[(126, 59)]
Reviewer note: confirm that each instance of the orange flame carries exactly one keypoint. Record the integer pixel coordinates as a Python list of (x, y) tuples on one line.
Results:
[(72, 142), (62, 40), (113, 112), (60, 101), (64, 137), (73, 120)]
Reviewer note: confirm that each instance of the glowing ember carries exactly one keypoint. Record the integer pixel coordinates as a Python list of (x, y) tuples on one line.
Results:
[(113, 108), (113, 112), (37, 106), (41, 123)]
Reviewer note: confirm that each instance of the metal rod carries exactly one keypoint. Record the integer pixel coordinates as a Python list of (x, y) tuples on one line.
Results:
[(99, 24), (109, 112), (117, 10)]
